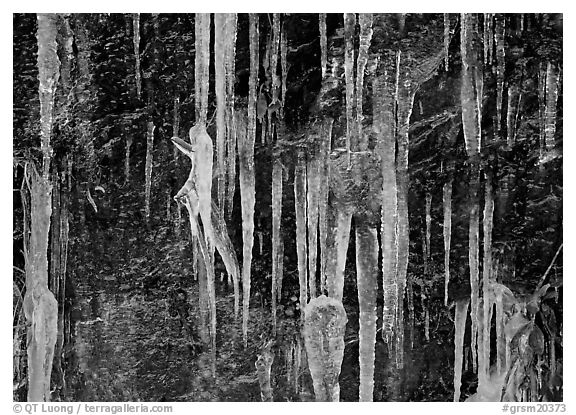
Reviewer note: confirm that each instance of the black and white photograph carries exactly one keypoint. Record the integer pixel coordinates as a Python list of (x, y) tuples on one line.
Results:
[(287, 207)]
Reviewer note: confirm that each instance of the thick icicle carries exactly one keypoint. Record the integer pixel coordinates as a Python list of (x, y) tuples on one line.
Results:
[(365, 20), (499, 39), (202, 65), (486, 274), (447, 230), (323, 43), (148, 168), (551, 102), (349, 29), (136, 40), (246, 138), (220, 39), (300, 209), (325, 145), (230, 62), (196, 195), (324, 328), (312, 200), (39, 305), (276, 234), (459, 329), (384, 127), (472, 136), (405, 102), (446, 40), (367, 281)]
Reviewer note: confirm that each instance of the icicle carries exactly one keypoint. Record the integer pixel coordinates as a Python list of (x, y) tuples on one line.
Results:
[(384, 127), (367, 280), (459, 328), (447, 202), (499, 39), (365, 20), (136, 25), (488, 36), (325, 144), (472, 135), (284, 65), (446, 40), (486, 270), (313, 194), (148, 168), (551, 101), (405, 103), (276, 234), (323, 43), (202, 65), (349, 29), (324, 328), (220, 39), (300, 208), (246, 138), (230, 62)]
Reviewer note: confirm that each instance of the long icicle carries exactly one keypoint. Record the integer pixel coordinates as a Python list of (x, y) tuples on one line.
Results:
[(384, 125), (230, 62), (483, 378), (459, 329), (312, 202), (136, 40), (405, 102), (300, 208), (276, 233), (499, 38), (220, 40), (349, 29), (472, 135), (365, 20), (246, 138), (447, 230), (323, 43), (247, 177), (325, 145)]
